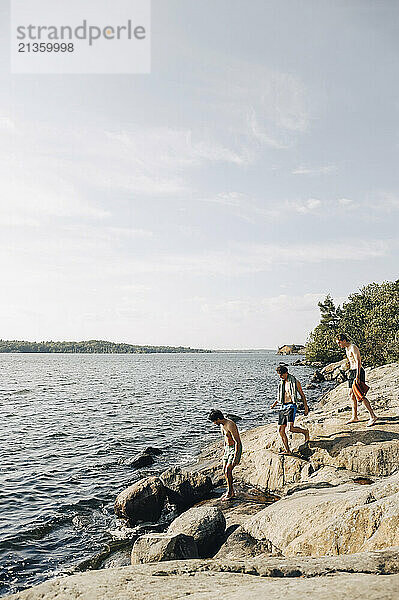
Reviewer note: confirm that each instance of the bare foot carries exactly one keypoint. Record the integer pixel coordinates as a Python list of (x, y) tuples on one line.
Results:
[(227, 496), (286, 453), (353, 421), (372, 422)]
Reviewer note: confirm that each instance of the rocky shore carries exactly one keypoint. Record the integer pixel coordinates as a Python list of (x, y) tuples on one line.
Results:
[(323, 522)]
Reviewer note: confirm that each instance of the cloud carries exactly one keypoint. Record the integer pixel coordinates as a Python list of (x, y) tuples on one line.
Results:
[(252, 209), (262, 107), (374, 204), (322, 170), (129, 232), (307, 206), (166, 148), (261, 134), (6, 123), (257, 258), (388, 201), (35, 182), (26, 198), (264, 306), (42, 177), (245, 207), (231, 199), (345, 202)]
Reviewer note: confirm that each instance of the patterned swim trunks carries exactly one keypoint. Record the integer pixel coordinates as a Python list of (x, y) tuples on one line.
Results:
[(229, 452)]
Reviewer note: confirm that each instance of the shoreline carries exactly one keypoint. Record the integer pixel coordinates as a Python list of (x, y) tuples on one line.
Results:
[(346, 462)]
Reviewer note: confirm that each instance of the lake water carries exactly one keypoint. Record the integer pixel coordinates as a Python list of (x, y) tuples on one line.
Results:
[(70, 424)]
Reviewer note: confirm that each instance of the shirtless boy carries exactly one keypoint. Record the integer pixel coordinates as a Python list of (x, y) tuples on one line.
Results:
[(288, 390), (356, 373), (232, 448)]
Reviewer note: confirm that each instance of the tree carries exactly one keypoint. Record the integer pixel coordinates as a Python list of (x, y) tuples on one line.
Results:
[(330, 314), (321, 345), (370, 318)]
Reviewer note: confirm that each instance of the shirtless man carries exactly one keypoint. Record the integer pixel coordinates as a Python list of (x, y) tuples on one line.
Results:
[(356, 373), (232, 448), (288, 390)]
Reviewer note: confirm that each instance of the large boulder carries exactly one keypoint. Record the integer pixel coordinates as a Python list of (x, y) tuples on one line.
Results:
[(344, 519), (240, 544), (185, 488), (142, 501), (156, 547), (206, 524)]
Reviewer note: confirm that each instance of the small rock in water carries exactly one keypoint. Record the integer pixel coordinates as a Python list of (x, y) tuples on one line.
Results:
[(311, 386), (318, 377), (142, 460), (152, 451)]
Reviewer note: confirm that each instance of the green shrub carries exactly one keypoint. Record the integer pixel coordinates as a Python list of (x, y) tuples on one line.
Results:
[(370, 318)]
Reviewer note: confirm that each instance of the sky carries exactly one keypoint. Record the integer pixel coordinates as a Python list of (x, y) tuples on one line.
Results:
[(213, 202)]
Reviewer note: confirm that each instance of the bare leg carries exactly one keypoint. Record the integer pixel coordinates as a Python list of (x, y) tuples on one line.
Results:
[(354, 418), (228, 473), (373, 417), (284, 438), (225, 475), (304, 432)]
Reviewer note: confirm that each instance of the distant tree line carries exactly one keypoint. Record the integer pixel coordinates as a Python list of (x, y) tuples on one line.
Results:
[(89, 347), (370, 318)]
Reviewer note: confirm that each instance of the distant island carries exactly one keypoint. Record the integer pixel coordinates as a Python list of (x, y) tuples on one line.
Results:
[(89, 347), (291, 349)]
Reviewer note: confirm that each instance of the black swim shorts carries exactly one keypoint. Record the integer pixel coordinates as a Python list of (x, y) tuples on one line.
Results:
[(352, 376), (287, 414)]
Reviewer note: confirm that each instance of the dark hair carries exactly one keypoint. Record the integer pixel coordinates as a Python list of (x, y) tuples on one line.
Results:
[(342, 337), (281, 369), (214, 415)]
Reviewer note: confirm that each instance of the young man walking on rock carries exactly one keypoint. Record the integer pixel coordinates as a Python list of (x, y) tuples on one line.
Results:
[(232, 448), (357, 376), (288, 390)]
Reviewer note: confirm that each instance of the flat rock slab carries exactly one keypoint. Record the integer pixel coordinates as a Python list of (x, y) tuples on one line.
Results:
[(202, 580)]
